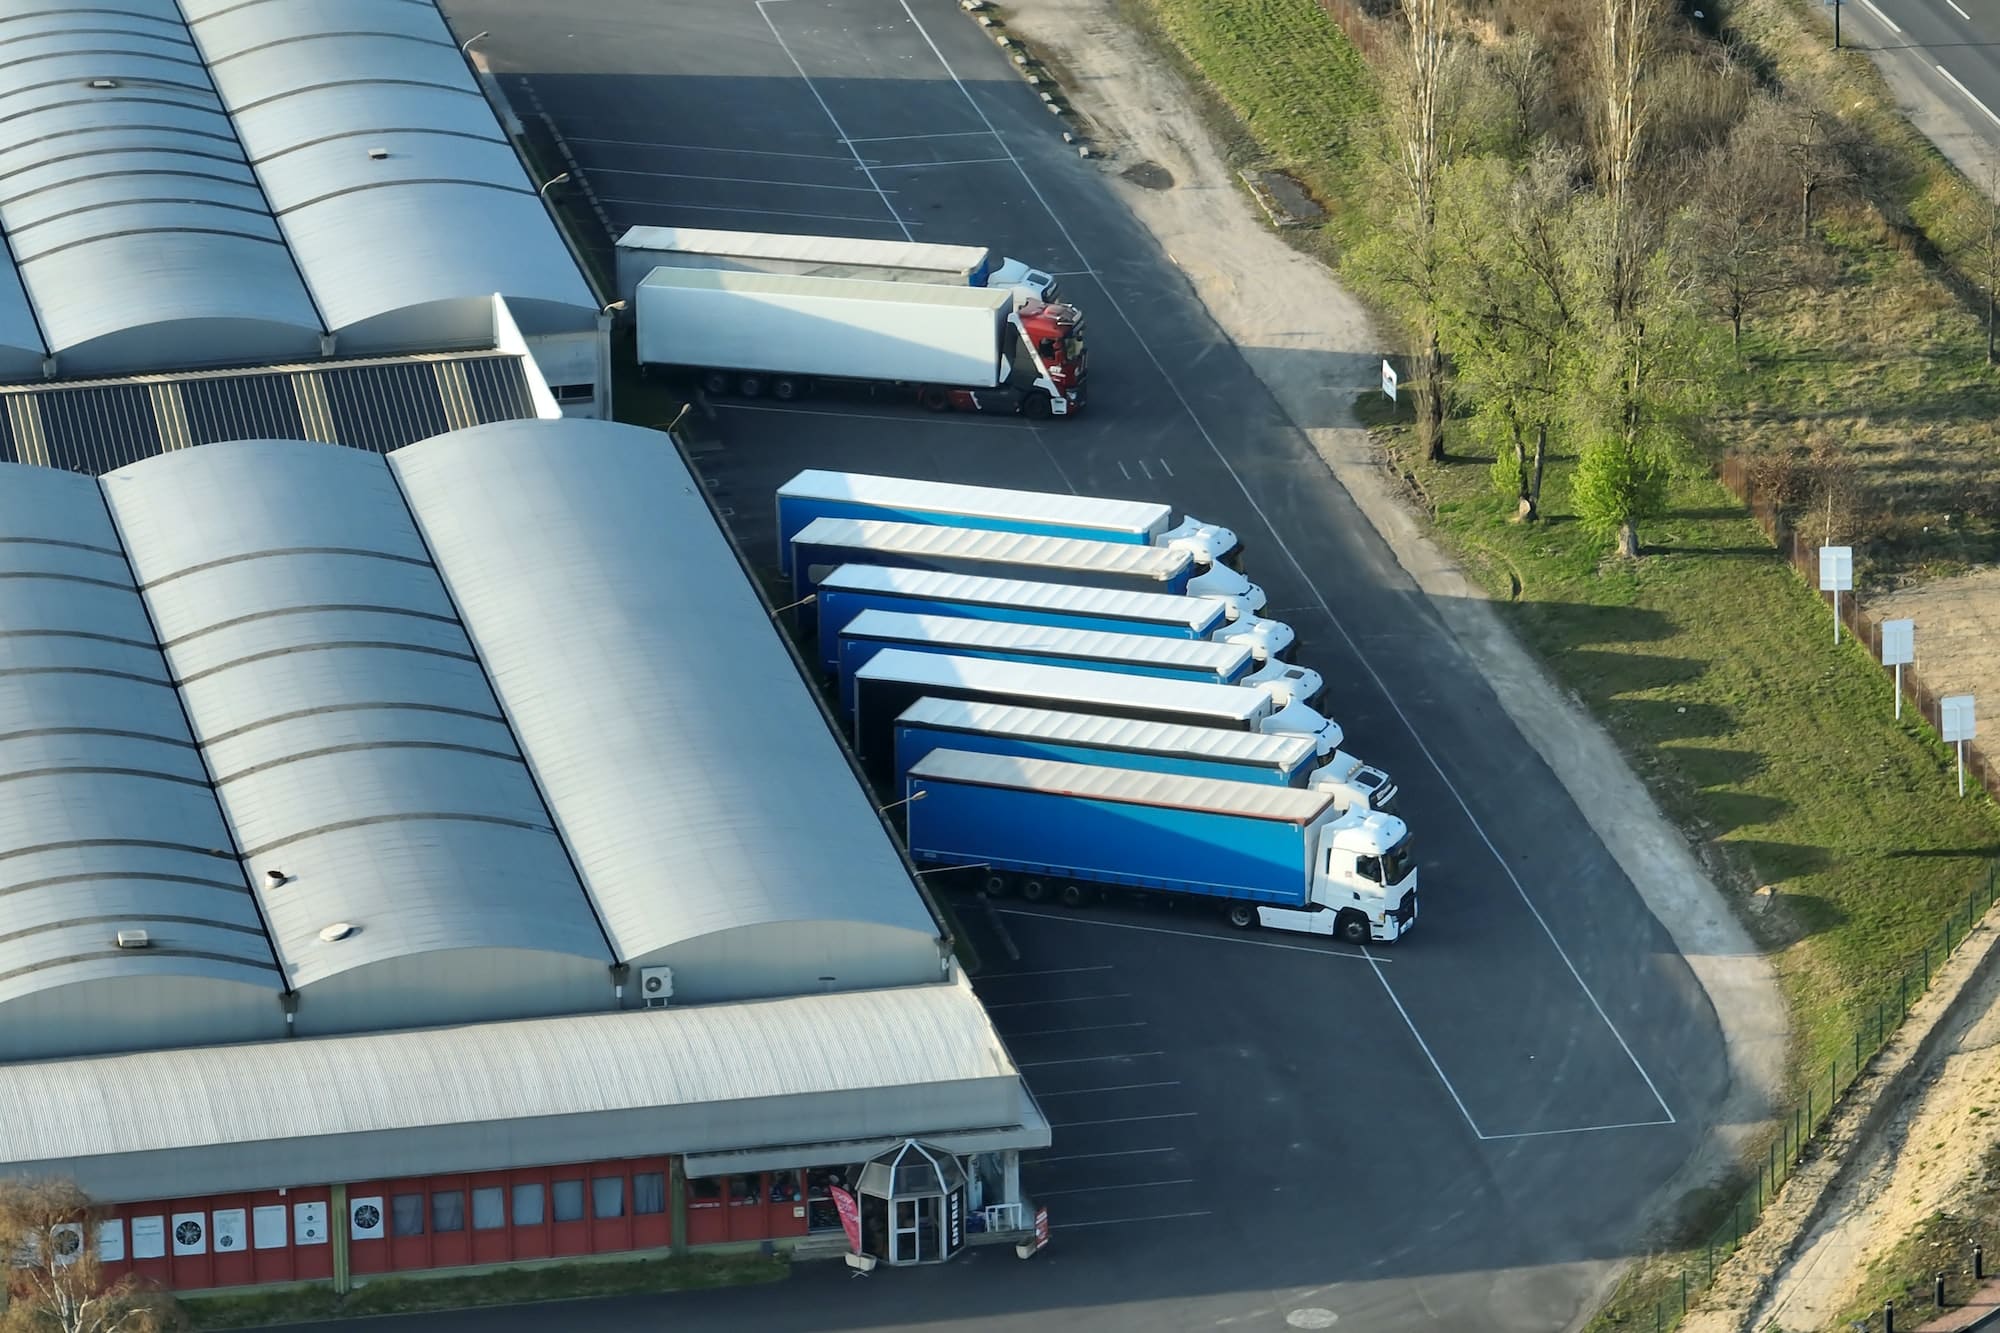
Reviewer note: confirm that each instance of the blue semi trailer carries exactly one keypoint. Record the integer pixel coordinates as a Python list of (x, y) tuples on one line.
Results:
[(852, 589), (1134, 654), (1270, 856), (825, 544), (818, 494)]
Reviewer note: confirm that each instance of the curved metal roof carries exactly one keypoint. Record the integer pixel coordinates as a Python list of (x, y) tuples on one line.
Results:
[(107, 821), (442, 218), (139, 230), (355, 745), (695, 782)]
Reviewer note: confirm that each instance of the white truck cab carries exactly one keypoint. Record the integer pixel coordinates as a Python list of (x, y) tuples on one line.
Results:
[(1286, 683), (1298, 720), (1030, 282), (1225, 585), (1353, 783), (1264, 638), (1364, 882), (1208, 543)]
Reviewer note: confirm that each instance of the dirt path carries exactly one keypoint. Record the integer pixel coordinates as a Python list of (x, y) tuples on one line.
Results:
[(1312, 346), (1958, 622)]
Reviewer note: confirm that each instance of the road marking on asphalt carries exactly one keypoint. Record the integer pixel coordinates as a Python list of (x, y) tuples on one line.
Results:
[(1116, 1087), (918, 166), (1191, 934), (831, 118), (1103, 1189), (1961, 13), (1087, 1060), (1423, 1045), (1968, 94), (758, 212), (1063, 1032), (1066, 999), (1173, 387), (1047, 971), (962, 423), (1578, 1129), (948, 134), (1029, 1159), (726, 180), (1124, 1120), (1880, 15), (1121, 1221), (704, 148)]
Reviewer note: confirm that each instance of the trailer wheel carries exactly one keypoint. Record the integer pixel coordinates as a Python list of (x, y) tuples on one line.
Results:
[(994, 886), (715, 383), (1034, 890), (934, 398), (1074, 895), (784, 389), (1242, 915), (750, 386), (1354, 928), (1037, 405)]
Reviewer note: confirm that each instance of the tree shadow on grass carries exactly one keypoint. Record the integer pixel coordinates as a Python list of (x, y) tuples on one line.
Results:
[(1708, 766)]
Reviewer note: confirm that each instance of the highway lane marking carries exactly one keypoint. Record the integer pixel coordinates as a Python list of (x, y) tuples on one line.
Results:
[(1174, 387), (1066, 999), (1116, 1087), (1087, 1060), (1029, 1159), (1101, 1189), (1121, 1221), (723, 180), (1880, 15), (1123, 1120), (1048, 971), (1577, 1129), (833, 120), (1191, 934), (759, 212), (1968, 95)]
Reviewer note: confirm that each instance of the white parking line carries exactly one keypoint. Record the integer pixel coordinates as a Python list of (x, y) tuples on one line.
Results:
[(756, 212), (1046, 972), (1028, 1160), (918, 166), (1117, 1087), (1173, 387), (1968, 95), (1123, 1120), (704, 148), (831, 119), (1191, 934), (1121, 1221), (1961, 13), (1424, 1046), (1880, 15), (949, 134), (724, 180), (1087, 1060), (1578, 1129), (1060, 1032), (1066, 999), (1105, 1189)]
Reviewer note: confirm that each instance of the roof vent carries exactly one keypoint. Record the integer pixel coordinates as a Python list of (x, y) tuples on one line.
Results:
[(339, 930), (103, 83), (377, 154), (134, 939), (276, 877)]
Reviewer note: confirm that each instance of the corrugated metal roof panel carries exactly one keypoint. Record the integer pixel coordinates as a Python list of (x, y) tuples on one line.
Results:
[(948, 500), (254, 556), (1054, 641), (551, 535), (1248, 800), (1001, 548)]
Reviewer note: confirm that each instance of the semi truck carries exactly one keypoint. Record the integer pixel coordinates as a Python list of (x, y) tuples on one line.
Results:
[(825, 544), (1133, 654), (970, 349), (819, 494), (895, 678), (1279, 760), (643, 249), (1269, 856), (851, 589)]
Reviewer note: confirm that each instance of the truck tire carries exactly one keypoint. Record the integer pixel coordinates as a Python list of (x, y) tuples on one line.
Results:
[(994, 885), (1242, 915), (1074, 895), (1354, 928), (935, 399), (1037, 405), (750, 386), (715, 384), (1034, 890), (784, 389)]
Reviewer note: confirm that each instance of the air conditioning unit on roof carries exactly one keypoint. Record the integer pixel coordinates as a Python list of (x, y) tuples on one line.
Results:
[(656, 986)]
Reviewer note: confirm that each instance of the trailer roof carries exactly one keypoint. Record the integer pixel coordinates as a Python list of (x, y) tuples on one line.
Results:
[(792, 284), (805, 249), (1015, 637), (1017, 548), (1071, 685), (1285, 751), (1197, 613), (938, 497), (1127, 786)]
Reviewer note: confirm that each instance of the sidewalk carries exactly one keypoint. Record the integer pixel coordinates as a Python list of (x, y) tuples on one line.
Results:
[(1981, 1310)]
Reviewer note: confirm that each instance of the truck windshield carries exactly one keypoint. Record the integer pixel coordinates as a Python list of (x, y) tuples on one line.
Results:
[(1398, 861)]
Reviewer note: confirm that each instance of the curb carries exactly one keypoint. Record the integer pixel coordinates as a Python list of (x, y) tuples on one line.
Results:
[(1033, 71)]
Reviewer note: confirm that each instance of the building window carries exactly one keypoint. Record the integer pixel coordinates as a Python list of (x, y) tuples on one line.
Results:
[(573, 393), (568, 1199), (705, 1192), (448, 1210), (406, 1215), (649, 1193), (784, 1187), (607, 1196), (742, 1190), (527, 1205), (489, 1208)]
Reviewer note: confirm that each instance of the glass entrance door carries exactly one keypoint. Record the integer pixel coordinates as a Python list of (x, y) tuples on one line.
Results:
[(903, 1236)]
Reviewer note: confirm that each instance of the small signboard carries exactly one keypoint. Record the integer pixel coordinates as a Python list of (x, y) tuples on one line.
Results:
[(1955, 718), (1899, 642), (1041, 1227), (1836, 569), (1389, 380)]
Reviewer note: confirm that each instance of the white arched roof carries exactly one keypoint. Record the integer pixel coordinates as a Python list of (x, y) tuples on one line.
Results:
[(354, 743), (697, 785), (107, 821), (140, 233), (402, 199)]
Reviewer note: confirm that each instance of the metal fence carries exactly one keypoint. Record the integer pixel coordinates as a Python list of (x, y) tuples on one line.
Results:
[(1873, 1024)]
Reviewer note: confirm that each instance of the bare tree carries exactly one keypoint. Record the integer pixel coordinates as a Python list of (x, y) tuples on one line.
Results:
[(58, 1284), (1835, 491), (1738, 238), (1970, 237), (1816, 147), (1625, 49), (1520, 67)]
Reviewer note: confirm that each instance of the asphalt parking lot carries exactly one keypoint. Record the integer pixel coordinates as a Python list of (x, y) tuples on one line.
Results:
[(1461, 1127)]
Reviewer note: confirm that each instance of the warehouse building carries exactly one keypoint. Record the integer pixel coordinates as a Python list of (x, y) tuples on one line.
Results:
[(434, 858)]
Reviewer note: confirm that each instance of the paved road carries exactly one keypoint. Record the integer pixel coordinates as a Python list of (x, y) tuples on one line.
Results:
[(1460, 1129), (1943, 51)]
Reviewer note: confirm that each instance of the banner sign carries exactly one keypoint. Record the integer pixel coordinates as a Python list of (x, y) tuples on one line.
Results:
[(850, 1217), (1041, 1227), (954, 1222)]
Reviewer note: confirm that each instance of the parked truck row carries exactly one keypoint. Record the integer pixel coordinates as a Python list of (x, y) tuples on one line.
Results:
[(1068, 698)]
